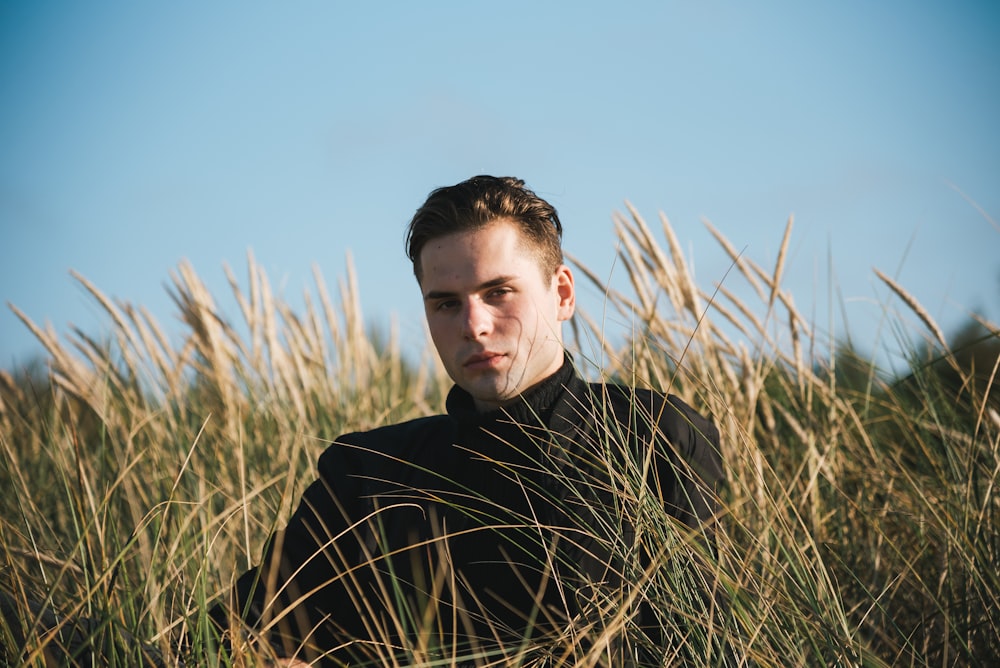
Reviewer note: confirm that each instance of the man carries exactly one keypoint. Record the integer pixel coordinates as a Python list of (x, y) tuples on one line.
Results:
[(497, 527)]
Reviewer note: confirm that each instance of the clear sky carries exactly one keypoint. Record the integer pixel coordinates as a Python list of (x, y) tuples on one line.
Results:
[(136, 134)]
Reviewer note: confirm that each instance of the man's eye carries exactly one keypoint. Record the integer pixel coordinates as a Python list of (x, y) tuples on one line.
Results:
[(500, 292), (447, 305)]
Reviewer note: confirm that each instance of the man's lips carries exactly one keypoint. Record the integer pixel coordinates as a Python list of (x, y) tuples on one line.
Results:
[(483, 360)]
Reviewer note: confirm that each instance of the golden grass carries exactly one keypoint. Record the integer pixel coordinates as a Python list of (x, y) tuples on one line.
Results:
[(861, 524)]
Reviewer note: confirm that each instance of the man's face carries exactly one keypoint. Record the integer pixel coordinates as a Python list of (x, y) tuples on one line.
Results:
[(494, 319)]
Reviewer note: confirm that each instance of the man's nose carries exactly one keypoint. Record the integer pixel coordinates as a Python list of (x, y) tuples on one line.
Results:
[(476, 320)]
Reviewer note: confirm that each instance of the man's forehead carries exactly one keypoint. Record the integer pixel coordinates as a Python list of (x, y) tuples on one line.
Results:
[(500, 246)]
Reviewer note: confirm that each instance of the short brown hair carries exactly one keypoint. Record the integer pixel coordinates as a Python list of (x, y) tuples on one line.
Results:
[(479, 201)]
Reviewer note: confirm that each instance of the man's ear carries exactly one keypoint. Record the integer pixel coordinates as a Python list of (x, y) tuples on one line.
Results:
[(565, 291)]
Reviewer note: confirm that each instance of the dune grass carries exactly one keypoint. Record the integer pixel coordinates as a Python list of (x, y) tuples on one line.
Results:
[(861, 521)]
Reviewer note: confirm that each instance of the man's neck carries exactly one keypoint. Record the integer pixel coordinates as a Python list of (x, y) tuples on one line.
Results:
[(489, 406)]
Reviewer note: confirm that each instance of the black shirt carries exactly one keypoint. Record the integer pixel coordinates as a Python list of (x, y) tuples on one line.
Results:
[(475, 530)]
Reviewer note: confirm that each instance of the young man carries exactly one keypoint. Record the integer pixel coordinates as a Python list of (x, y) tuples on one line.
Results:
[(469, 535)]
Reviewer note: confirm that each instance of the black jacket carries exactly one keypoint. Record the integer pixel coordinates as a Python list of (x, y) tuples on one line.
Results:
[(451, 527)]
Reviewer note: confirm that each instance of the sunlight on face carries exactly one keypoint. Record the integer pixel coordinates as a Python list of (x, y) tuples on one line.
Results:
[(494, 319)]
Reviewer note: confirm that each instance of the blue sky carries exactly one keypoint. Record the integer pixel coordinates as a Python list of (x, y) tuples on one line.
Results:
[(135, 135)]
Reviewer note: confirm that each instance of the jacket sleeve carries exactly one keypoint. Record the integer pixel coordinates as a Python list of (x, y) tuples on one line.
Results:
[(686, 475), (692, 480), (299, 594)]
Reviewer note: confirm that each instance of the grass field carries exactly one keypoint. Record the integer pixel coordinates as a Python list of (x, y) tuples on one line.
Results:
[(861, 522)]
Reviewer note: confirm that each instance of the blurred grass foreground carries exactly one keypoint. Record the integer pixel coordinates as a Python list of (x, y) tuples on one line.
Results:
[(861, 521)]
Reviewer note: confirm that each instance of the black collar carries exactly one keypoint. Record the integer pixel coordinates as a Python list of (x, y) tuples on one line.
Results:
[(531, 408)]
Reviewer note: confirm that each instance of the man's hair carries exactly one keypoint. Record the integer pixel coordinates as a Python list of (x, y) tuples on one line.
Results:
[(480, 201)]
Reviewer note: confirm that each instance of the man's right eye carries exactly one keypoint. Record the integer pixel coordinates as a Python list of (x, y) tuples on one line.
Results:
[(447, 305)]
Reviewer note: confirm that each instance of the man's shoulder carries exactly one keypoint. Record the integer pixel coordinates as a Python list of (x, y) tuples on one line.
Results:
[(627, 395), (375, 449), (664, 408), (398, 435)]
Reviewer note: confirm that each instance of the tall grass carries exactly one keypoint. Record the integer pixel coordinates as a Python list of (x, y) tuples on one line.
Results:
[(861, 521)]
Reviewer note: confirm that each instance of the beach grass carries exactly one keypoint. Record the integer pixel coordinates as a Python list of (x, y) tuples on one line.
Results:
[(861, 521)]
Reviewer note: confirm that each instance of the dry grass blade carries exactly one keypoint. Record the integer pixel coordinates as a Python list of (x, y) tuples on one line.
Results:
[(736, 257), (684, 274), (779, 264), (924, 317), (916, 307)]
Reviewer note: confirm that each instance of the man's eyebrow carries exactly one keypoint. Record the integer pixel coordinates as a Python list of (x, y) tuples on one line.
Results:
[(492, 283)]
